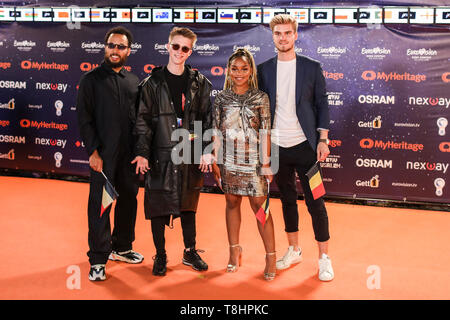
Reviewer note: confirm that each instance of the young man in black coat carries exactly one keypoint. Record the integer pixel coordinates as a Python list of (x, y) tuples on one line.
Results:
[(173, 97)]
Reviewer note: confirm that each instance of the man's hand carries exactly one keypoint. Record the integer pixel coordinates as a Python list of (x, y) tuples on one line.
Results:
[(141, 164), (96, 162), (322, 151)]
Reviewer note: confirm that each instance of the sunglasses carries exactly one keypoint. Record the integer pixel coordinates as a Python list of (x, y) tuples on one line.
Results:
[(176, 47), (121, 47)]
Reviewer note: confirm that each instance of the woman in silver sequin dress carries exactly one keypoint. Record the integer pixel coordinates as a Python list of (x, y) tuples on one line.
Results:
[(242, 120)]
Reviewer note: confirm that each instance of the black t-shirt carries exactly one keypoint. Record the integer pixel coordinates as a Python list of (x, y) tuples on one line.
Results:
[(177, 87)]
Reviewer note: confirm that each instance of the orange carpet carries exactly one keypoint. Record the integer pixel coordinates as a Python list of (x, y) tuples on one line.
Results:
[(377, 253)]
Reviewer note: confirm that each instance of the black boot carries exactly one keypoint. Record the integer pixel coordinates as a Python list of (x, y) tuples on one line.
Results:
[(160, 265), (192, 258)]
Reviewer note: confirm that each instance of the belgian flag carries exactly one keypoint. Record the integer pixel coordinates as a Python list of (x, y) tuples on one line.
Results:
[(108, 196), (314, 175)]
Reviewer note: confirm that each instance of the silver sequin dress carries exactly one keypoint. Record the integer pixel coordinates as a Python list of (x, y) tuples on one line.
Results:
[(241, 119)]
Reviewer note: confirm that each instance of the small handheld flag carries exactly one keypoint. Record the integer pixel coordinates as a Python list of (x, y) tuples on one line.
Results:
[(314, 175), (108, 196), (263, 213)]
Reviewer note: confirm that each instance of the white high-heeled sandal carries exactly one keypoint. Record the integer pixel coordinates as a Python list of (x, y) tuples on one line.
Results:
[(234, 267), (269, 276)]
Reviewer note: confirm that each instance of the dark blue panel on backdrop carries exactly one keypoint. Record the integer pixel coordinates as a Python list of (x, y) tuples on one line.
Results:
[(388, 92)]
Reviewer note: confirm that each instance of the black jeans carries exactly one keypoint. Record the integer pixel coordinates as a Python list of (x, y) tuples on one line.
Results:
[(124, 179), (187, 225), (300, 158)]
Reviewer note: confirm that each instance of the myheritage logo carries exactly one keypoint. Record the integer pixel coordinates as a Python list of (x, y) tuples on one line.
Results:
[(368, 143)]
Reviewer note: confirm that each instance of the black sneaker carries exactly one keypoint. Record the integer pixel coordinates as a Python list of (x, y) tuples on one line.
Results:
[(192, 258), (160, 265), (129, 256), (97, 272)]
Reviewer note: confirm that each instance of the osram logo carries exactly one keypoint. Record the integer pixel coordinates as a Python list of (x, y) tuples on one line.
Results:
[(368, 143), (374, 163), (12, 139), (376, 99), (430, 166)]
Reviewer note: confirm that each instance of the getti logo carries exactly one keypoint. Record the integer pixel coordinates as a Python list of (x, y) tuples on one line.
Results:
[(375, 123), (370, 75), (27, 123), (368, 143), (374, 182), (8, 156), (10, 105), (28, 64)]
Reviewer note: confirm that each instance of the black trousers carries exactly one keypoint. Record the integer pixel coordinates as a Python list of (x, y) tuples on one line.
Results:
[(299, 159), (124, 179), (187, 225)]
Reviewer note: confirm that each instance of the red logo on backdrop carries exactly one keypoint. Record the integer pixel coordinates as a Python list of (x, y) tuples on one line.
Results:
[(444, 146), (218, 71), (446, 77), (335, 143), (333, 76), (366, 143), (28, 64), (4, 123), (5, 65), (148, 68), (369, 75), (87, 66)]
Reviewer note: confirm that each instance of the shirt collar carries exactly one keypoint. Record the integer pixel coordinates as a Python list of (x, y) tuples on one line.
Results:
[(111, 71)]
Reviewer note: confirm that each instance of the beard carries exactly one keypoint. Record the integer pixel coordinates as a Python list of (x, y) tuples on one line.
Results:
[(117, 64), (285, 49)]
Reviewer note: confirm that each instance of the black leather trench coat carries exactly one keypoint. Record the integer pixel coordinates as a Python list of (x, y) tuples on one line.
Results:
[(171, 188)]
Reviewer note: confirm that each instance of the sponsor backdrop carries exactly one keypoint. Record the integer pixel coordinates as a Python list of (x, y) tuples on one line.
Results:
[(388, 91)]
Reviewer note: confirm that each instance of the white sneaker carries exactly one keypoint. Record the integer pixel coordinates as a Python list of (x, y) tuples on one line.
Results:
[(290, 257), (97, 272), (326, 272)]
